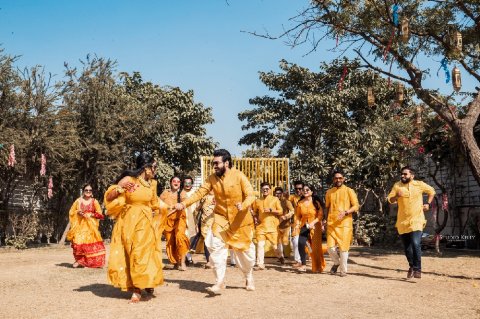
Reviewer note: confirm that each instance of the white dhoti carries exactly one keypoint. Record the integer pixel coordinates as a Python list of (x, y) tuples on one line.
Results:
[(218, 256)]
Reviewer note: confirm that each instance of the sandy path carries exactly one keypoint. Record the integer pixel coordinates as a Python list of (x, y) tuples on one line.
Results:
[(40, 283)]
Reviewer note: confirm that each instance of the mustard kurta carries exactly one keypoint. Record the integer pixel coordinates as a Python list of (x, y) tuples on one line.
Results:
[(294, 198), (233, 226), (284, 226), (175, 227), (136, 249), (410, 215), (87, 243), (340, 232), (268, 221), (307, 213)]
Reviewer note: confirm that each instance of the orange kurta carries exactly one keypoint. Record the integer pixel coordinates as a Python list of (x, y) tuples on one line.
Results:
[(87, 243), (136, 248), (233, 226), (307, 213), (175, 227), (340, 232)]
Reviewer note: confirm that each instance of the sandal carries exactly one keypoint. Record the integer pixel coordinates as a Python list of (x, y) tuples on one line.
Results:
[(76, 265), (136, 296)]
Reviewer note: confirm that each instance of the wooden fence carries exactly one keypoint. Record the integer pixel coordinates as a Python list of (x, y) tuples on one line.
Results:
[(258, 170)]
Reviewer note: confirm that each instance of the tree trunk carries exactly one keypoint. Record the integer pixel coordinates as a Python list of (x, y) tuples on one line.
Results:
[(470, 148), (64, 235)]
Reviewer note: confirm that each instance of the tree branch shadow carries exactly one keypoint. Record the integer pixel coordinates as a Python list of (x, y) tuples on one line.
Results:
[(423, 272)]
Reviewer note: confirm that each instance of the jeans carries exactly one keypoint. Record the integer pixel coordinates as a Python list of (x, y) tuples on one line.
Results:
[(413, 249), (302, 243)]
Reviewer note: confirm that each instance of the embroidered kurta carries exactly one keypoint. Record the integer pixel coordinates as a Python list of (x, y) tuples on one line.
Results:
[(86, 241), (340, 232), (135, 259), (410, 215), (233, 226)]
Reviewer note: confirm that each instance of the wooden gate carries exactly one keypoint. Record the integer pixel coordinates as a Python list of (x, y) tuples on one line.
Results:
[(258, 170)]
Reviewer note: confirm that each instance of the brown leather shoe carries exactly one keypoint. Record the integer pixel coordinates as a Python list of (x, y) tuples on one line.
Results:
[(410, 273), (334, 269), (417, 274)]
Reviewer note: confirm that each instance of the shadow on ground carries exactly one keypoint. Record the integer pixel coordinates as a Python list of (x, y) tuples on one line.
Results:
[(104, 291)]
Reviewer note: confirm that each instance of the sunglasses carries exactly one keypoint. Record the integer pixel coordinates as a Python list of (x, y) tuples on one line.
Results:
[(298, 188), (188, 183), (88, 190), (265, 189), (216, 163)]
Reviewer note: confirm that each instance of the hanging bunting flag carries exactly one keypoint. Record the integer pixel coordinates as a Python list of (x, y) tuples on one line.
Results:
[(445, 201), (43, 168), (50, 188), (340, 84), (444, 66), (387, 48), (11, 157), (395, 14)]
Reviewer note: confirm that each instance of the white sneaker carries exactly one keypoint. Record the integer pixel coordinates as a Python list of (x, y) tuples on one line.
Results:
[(215, 289)]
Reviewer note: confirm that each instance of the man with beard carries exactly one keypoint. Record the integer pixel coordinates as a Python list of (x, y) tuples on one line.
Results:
[(408, 193), (341, 202), (233, 224)]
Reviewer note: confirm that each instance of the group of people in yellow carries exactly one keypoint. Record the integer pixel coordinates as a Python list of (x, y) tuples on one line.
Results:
[(231, 216)]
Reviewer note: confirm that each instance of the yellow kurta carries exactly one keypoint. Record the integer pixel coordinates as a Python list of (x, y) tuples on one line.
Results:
[(233, 226), (87, 243), (294, 198), (136, 249), (410, 215), (175, 228), (307, 213), (284, 226), (340, 232), (268, 221)]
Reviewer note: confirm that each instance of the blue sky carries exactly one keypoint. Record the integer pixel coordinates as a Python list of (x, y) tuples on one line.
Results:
[(195, 45)]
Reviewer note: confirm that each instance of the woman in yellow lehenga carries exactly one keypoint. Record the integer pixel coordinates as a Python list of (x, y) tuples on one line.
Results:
[(87, 243), (309, 224), (135, 261), (176, 225)]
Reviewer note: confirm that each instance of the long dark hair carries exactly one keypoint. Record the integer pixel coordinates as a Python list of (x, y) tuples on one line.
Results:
[(317, 201), (142, 161), (179, 200)]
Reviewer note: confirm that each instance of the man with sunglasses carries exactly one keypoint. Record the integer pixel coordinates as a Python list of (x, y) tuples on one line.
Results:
[(408, 193), (233, 224), (294, 199), (267, 209), (341, 202)]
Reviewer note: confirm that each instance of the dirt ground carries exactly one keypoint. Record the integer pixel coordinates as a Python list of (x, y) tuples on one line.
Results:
[(40, 283)]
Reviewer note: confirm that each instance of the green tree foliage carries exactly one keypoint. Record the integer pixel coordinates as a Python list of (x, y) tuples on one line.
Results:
[(90, 125), (371, 29), (322, 128)]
